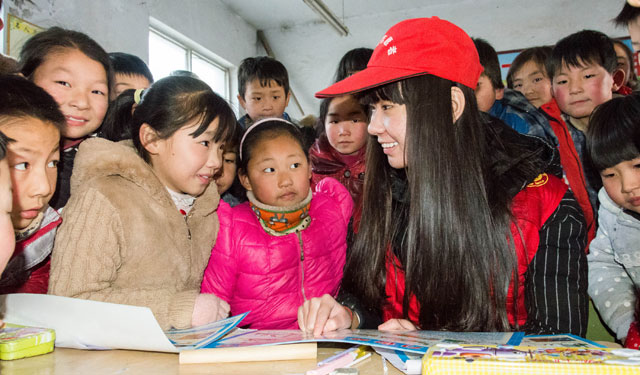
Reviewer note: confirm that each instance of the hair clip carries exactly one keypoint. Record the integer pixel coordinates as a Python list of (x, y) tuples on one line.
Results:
[(137, 96)]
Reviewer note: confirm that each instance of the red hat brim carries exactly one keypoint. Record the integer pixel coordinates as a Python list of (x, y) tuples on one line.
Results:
[(366, 79)]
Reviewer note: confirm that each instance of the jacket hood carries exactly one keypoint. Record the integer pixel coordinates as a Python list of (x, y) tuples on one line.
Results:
[(98, 158), (517, 159)]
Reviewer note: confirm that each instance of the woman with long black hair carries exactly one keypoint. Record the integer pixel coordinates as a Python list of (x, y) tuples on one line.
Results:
[(461, 228)]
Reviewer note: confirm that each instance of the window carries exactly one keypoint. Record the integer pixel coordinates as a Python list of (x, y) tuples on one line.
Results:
[(168, 54)]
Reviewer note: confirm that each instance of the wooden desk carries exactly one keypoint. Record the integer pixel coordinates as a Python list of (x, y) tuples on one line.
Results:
[(72, 361)]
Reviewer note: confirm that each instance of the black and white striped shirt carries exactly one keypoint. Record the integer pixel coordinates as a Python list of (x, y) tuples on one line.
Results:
[(556, 280)]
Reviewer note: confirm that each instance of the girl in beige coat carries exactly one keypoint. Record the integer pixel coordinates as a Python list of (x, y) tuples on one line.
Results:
[(141, 221)]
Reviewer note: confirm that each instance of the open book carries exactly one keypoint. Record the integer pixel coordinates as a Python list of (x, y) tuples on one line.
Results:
[(408, 341), (201, 336), (86, 324)]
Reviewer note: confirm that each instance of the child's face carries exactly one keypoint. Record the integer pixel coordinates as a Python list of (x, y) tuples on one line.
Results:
[(264, 101), (185, 164), (346, 125), (124, 82), (7, 237), (579, 89), (278, 173), (486, 94), (79, 86), (634, 33), (229, 166), (532, 81), (622, 183), (389, 125), (33, 162), (623, 62)]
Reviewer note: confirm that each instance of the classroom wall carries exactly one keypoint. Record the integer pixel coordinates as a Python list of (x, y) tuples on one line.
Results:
[(123, 25), (311, 51)]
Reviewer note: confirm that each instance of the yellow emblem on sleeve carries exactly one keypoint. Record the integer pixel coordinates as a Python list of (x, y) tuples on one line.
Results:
[(541, 180)]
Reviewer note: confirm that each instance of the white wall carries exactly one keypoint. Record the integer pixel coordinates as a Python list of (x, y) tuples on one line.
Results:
[(311, 51), (123, 25)]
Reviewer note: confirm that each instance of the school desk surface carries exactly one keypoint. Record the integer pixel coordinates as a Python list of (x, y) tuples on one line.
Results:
[(73, 361)]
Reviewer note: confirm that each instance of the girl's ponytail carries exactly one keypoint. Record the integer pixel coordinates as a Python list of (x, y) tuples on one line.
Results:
[(118, 122)]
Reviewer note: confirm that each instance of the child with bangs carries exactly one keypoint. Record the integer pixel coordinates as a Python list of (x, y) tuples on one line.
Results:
[(625, 62), (287, 244), (528, 75), (339, 151), (129, 72), (141, 222), (31, 119), (613, 141), (584, 73), (76, 72), (229, 186)]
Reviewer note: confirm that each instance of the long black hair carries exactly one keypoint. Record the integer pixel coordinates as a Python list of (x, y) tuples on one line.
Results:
[(450, 226), (352, 62)]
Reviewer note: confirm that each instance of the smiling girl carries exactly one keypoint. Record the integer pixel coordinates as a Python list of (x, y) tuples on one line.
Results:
[(461, 227), (141, 222), (76, 72)]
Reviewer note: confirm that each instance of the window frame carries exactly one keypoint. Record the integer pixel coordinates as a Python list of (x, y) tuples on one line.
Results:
[(191, 49)]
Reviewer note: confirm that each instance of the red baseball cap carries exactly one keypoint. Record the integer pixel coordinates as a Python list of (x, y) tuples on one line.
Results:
[(416, 47)]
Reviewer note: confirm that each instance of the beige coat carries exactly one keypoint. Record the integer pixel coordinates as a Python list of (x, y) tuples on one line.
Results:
[(123, 240)]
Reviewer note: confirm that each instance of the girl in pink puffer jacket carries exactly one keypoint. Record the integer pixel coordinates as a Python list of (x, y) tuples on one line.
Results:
[(286, 244)]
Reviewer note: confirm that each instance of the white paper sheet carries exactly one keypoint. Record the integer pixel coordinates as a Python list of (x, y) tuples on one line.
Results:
[(84, 324)]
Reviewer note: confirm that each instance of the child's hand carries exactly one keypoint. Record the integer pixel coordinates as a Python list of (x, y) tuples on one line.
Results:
[(208, 308), (324, 314), (397, 325)]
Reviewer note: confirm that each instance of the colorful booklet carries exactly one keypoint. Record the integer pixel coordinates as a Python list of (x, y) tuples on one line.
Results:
[(496, 359), (409, 341), (201, 336), (554, 341), (411, 363)]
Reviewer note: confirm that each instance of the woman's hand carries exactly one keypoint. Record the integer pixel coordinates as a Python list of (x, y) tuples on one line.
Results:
[(208, 308), (324, 314), (397, 325)]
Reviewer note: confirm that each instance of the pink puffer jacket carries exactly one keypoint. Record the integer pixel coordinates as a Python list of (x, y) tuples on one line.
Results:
[(270, 275)]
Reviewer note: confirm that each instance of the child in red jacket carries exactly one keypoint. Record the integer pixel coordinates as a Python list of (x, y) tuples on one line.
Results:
[(339, 152), (286, 244)]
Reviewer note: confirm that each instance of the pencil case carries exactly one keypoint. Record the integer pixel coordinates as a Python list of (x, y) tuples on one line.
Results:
[(18, 341)]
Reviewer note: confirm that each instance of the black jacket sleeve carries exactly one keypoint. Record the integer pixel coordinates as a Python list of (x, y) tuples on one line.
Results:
[(369, 318)]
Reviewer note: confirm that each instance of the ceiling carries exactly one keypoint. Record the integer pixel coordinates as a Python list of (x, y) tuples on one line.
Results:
[(311, 49), (285, 14)]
